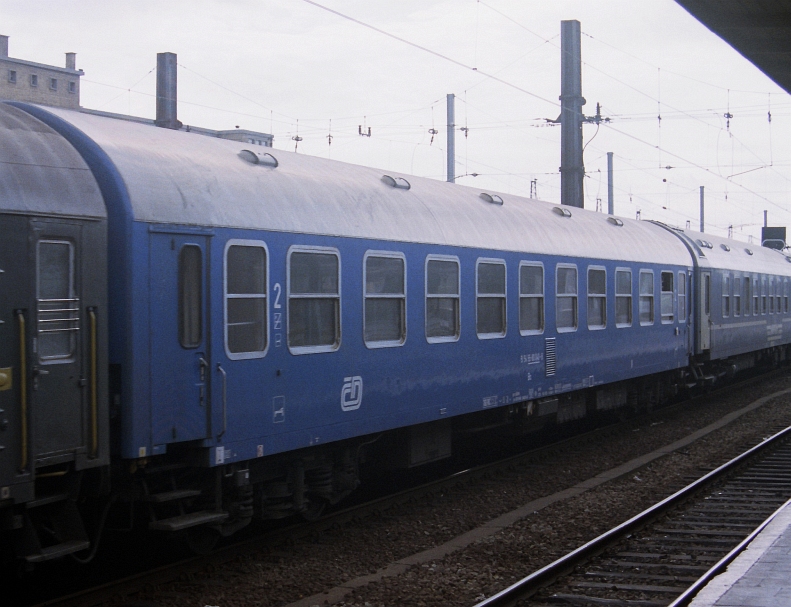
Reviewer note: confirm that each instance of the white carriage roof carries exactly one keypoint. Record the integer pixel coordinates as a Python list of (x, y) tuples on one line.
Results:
[(727, 254), (40, 172), (184, 178)]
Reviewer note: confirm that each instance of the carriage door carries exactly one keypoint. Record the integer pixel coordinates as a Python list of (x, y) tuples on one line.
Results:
[(704, 326), (57, 377), (179, 348)]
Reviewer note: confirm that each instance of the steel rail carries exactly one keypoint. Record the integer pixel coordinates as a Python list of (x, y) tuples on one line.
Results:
[(548, 574)]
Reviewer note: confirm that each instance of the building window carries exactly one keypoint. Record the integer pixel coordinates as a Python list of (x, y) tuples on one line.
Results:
[(646, 301), (12, 76), (490, 298), (190, 296), (53, 84), (245, 299), (384, 322), (33, 80), (531, 299), (623, 298), (72, 87), (682, 297), (566, 298), (314, 300), (442, 299), (597, 298)]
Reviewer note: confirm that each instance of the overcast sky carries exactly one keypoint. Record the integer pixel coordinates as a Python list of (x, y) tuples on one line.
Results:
[(291, 68)]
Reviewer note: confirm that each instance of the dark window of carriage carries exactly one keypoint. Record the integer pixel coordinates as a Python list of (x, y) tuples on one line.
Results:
[(682, 297), (314, 301), (490, 311), (56, 300), (190, 296), (623, 298), (442, 300), (597, 298), (666, 297), (646, 301), (245, 301), (385, 300), (531, 299), (566, 298)]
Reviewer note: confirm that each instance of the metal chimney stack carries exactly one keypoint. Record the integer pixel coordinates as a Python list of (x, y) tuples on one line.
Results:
[(572, 170), (167, 88)]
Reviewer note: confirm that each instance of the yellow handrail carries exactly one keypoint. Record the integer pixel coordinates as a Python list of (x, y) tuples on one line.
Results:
[(23, 387), (94, 383)]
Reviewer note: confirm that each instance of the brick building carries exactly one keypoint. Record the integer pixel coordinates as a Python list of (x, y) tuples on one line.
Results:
[(22, 80)]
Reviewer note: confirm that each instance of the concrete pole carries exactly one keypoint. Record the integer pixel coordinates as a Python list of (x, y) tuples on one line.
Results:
[(766, 218), (702, 223), (451, 138), (167, 87), (572, 170), (610, 200)]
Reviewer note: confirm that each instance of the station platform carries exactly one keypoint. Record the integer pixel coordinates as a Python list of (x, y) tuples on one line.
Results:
[(761, 575)]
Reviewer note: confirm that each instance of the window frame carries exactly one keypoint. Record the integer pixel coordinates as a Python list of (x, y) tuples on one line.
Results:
[(595, 295), (542, 297), (575, 298), (725, 287), (241, 242), (12, 77), (756, 296), (34, 80), (299, 350), (666, 319), (72, 299), (442, 338), (737, 296), (192, 344), (652, 296), (392, 255), (503, 297), (682, 309), (630, 296), (53, 84)]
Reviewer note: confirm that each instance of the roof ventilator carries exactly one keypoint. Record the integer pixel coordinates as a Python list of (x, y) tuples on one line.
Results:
[(396, 182), (615, 221), (263, 158), (492, 198), (705, 244), (725, 247), (561, 211), (748, 251)]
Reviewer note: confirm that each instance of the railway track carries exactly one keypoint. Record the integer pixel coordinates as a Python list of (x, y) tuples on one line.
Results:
[(192, 566), (665, 554)]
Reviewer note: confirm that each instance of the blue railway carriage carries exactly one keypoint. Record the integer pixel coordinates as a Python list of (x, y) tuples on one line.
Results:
[(276, 318), (742, 298), (53, 326), (276, 322)]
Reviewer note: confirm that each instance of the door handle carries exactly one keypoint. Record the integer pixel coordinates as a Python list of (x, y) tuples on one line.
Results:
[(39, 371), (224, 400), (203, 366)]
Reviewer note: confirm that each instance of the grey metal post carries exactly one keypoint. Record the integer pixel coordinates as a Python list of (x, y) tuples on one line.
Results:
[(610, 201), (572, 170), (766, 218), (167, 87), (702, 224), (451, 138)]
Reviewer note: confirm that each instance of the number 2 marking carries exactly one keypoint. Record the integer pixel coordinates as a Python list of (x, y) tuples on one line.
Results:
[(278, 290)]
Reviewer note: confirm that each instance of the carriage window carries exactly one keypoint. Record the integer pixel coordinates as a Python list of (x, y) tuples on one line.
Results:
[(682, 297), (623, 298), (726, 295), (763, 295), (785, 298), (442, 299), (666, 297), (314, 300), (245, 300), (190, 296), (737, 296), (747, 296), (771, 292), (756, 295), (646, 301), (531, 299), (597, 298), (385, 299), (778, 298), (566, 298), (58, 306), (490, 299)]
